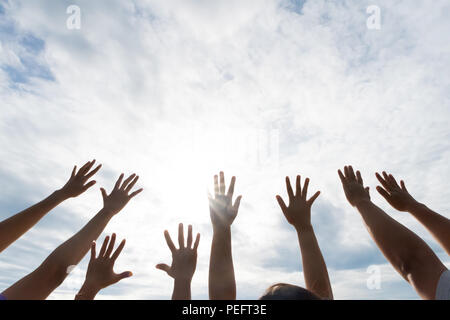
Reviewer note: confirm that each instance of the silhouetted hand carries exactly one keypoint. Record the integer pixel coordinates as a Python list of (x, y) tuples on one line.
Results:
[(77, 183), (119, 197), (100, 273), (397, 196), (353, 186), (221, 207), (298, 213), (184, 259)]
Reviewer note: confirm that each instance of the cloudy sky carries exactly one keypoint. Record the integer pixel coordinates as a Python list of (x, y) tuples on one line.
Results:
[(178, 90)]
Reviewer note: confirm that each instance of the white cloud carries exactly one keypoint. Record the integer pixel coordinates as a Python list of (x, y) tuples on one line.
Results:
[(177, 90)]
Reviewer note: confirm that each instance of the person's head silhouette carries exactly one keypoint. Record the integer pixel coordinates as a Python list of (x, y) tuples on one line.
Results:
[(283, 291)]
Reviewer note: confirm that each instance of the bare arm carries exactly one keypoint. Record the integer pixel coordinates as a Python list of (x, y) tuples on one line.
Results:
[(100, 273), (184, 262), (408, 254), (298, 213), (52, 272), (13, 228), (222, 282), (399, 198)]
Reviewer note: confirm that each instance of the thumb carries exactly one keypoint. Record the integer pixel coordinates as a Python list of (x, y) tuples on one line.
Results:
[(104, 195), (124, 275), (163, 267)]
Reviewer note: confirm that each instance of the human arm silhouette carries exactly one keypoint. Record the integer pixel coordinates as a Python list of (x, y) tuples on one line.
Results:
[(100, 273), (399, 198), (52, 272), (408, 254), (184, 262), (222, 282), (298, 214), (14, 227)]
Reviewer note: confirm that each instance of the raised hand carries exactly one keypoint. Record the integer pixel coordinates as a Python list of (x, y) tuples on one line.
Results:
[(14, 227), (184, 259), (222, 210), (298, 213), (120, 196), (353, 186), (100, 273), (78, 181), (397, 196)]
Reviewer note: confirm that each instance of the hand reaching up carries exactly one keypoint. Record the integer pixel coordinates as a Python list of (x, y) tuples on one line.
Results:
[(397, 196), (184, 259), (353, 186), (77, 183), (298, 213), (100, 273), (119, 197), (222, 210)]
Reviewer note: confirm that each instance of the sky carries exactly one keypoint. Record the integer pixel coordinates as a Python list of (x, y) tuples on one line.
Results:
[(178, 90)]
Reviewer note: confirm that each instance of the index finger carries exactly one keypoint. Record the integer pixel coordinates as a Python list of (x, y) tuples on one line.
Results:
[(231, 187), (169, 241), (289, 188), (118, 250)]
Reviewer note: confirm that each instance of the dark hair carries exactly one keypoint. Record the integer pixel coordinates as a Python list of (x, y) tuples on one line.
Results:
[(283, 291)]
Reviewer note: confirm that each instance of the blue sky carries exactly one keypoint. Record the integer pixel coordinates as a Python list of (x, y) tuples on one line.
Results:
[(178, 90)]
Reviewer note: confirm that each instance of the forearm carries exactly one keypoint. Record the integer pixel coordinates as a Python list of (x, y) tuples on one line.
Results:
[(181, 290), (314, 267), (14, 227), (73, 250), (399, 245), (222, 283), (436, 224)]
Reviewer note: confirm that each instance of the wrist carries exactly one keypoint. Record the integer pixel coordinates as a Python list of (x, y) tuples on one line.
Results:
[(87, 292), (304, 228), (181, 289), (362, 202), (221, 229), (183, 281), (415, 207), (59, 195), (107, 212)]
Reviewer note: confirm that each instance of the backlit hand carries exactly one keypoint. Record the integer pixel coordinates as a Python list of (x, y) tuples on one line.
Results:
[(397, 196), (77, 183), (184, 259), (353, 186), (119, 197), (222, 210), (298, 213)]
